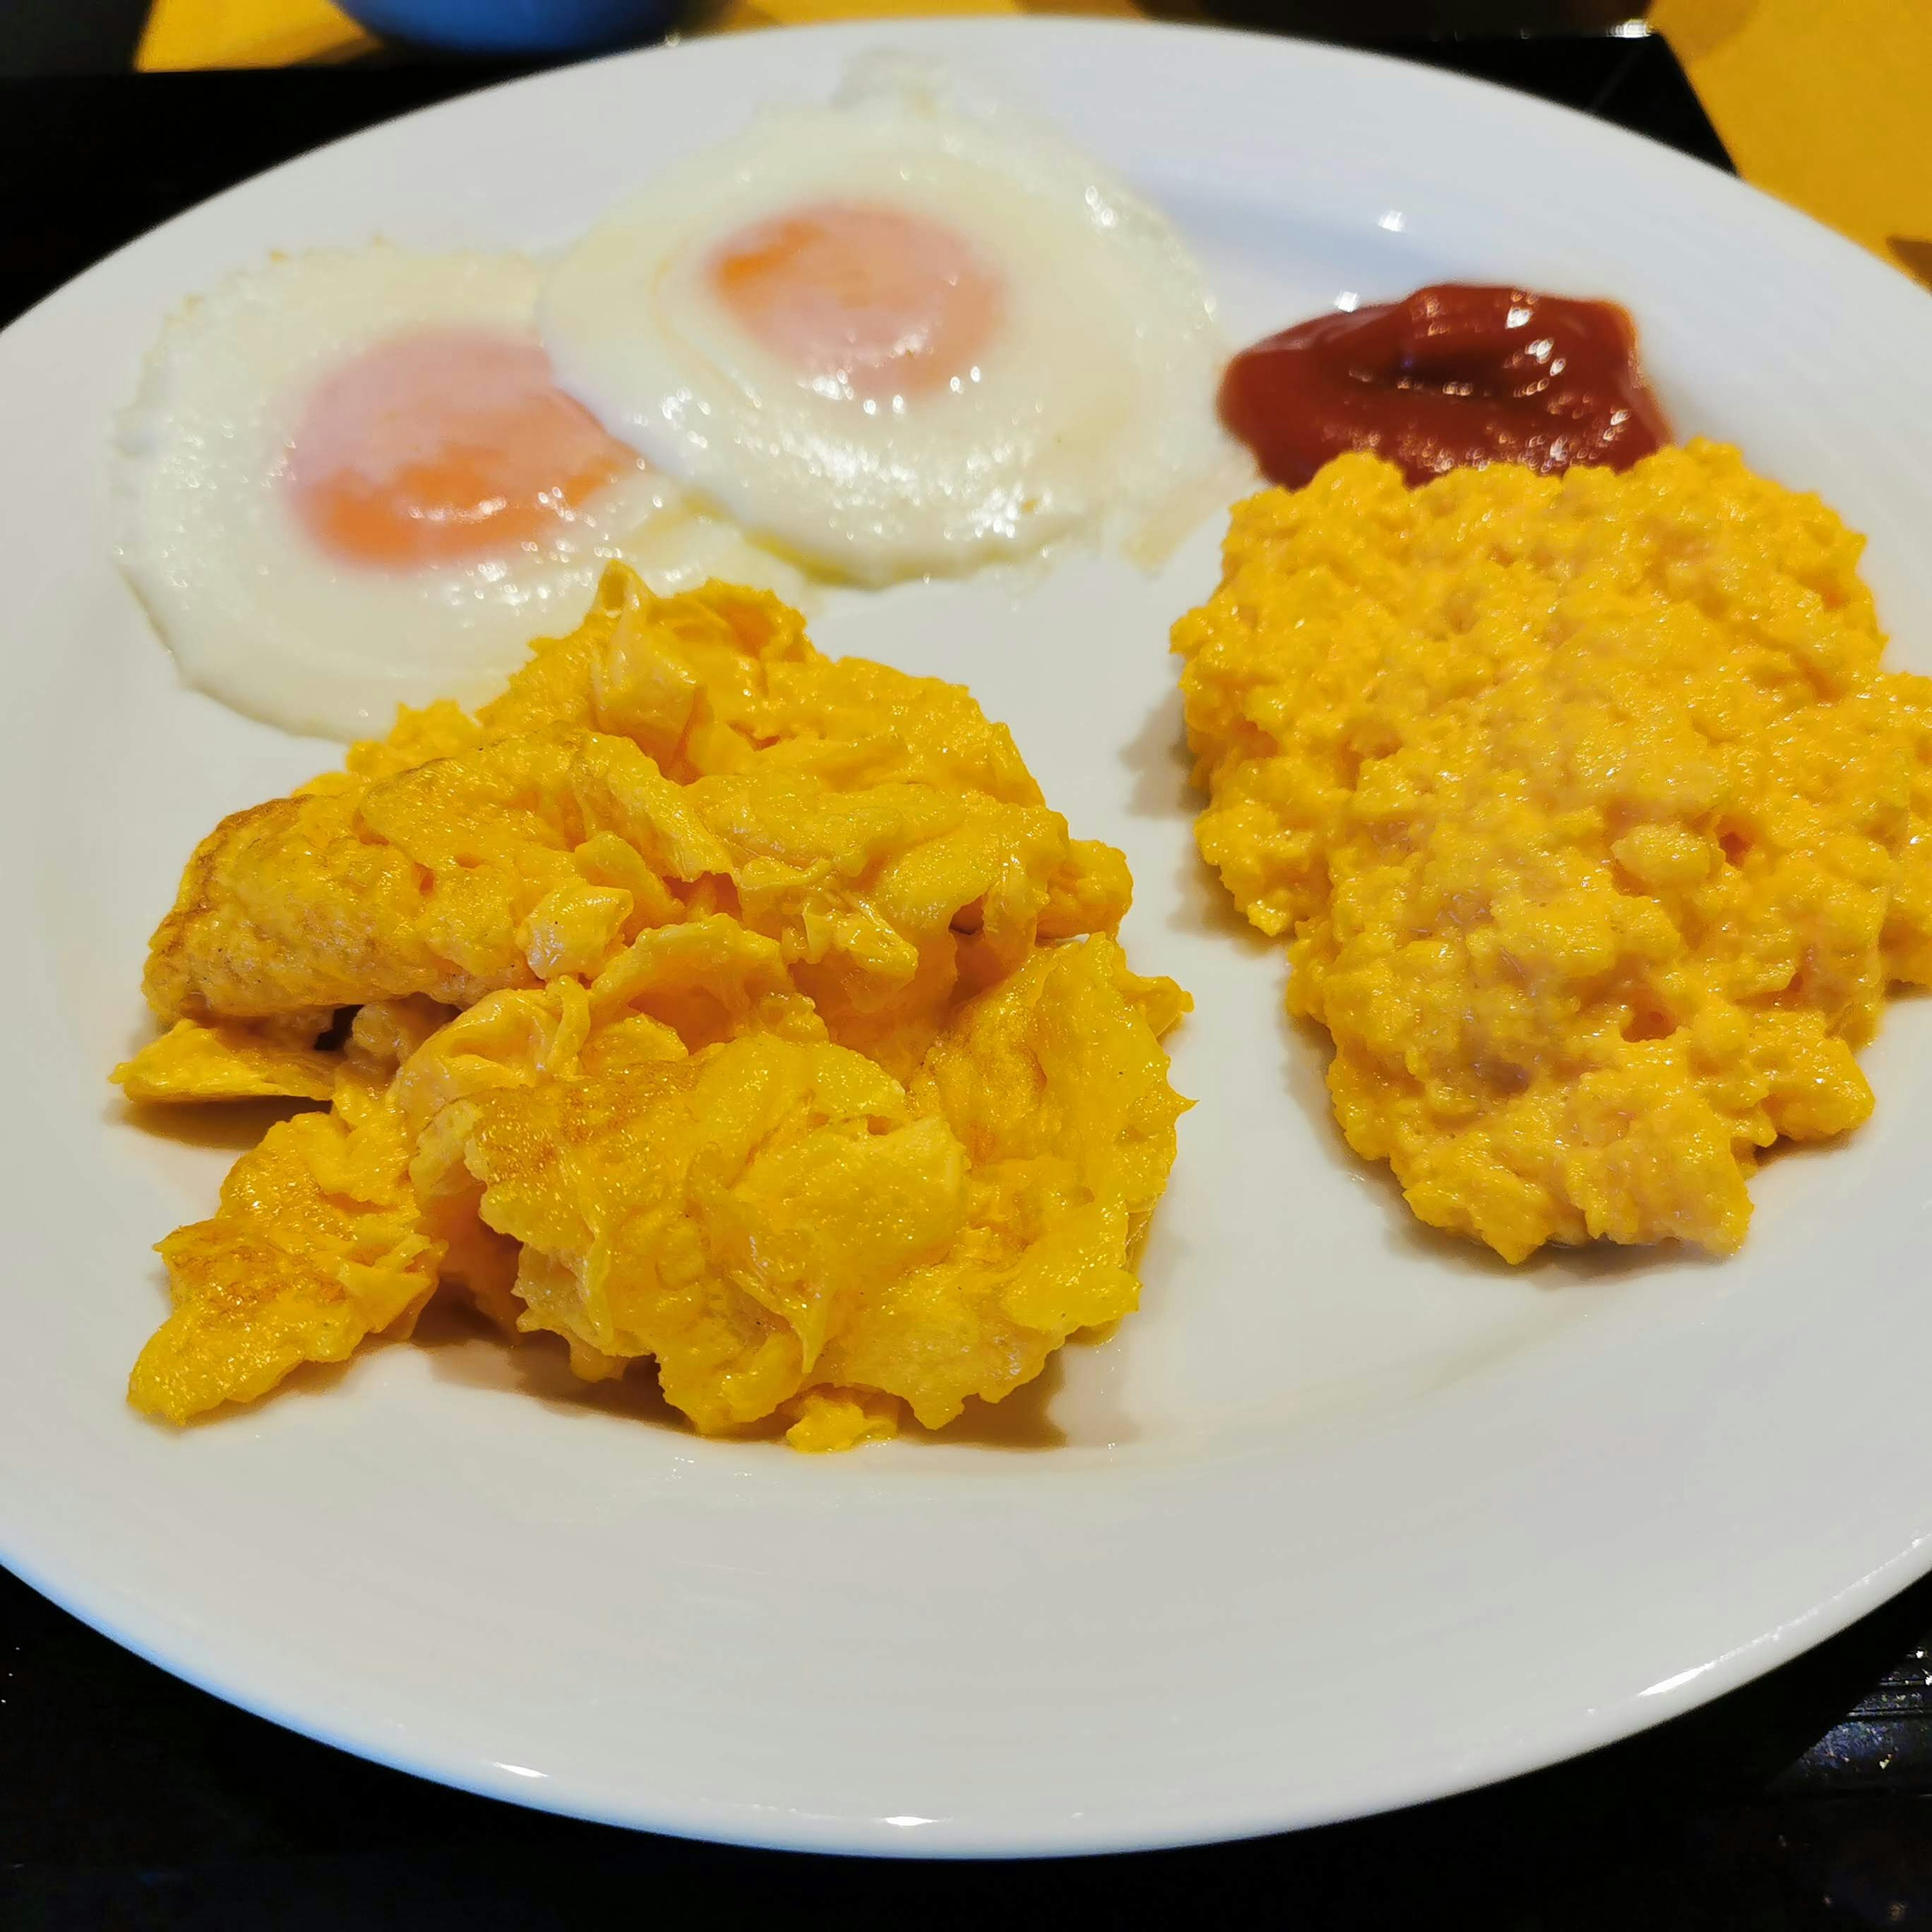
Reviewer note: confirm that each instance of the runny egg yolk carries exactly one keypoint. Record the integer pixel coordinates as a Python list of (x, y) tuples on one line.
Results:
[(868, 302), (443, 447)]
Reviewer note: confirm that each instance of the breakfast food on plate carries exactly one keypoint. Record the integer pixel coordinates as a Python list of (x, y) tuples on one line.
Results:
[(1595, 829), (902, 335), (349, 481), (700, 998), (1449, 377), (897, 335)]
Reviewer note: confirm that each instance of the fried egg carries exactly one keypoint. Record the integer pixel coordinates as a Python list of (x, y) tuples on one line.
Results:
[(902, 335), (349, 482)]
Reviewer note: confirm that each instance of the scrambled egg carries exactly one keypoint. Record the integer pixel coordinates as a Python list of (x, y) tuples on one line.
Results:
[(1596, 831), (713, 1002)]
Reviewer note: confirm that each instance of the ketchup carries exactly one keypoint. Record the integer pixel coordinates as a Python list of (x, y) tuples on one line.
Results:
[(1449, 377)]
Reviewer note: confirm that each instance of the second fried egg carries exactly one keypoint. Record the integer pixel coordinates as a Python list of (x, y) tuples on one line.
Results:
[(349, 482), (900, 335)]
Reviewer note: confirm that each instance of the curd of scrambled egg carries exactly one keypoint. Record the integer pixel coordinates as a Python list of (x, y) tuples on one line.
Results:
[(714, 1002), (1596, 831)]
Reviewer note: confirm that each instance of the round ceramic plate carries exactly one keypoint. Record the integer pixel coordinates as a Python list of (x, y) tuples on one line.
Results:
[(1348, 1515)]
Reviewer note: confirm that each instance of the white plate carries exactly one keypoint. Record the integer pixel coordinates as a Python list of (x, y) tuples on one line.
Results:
[(1346, 1516)]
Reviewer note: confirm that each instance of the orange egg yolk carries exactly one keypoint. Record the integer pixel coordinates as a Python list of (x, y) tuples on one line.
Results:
[(444, 447), (871, 300)]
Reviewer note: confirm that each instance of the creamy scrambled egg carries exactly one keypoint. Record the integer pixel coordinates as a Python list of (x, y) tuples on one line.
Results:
[(713, 1002), (1595, 828)]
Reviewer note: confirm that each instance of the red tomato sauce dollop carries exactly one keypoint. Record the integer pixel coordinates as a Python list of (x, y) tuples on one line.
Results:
[(1449, 377)]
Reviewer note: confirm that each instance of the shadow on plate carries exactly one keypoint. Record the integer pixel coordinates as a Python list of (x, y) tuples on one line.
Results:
[(1163, 787), (1162, 765), (464, 1347), (233, 1126)]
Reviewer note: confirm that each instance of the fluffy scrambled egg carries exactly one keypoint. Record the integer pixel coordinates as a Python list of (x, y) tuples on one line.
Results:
[(700, 999), (1596, 831)]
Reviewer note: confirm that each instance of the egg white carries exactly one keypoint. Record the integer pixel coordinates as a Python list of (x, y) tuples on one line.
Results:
[(259, 616), (1092, 411)]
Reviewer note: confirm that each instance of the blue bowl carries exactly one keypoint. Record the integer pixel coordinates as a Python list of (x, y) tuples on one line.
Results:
[(514, 26)]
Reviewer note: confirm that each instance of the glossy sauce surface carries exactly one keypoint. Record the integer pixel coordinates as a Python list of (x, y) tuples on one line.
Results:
[(1449, 377)]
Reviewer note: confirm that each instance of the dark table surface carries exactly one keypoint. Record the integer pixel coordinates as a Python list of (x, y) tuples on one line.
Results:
[(128, 1798)]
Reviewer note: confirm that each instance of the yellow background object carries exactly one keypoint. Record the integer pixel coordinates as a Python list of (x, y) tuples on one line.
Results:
[(1826, 103), (246, 33)]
